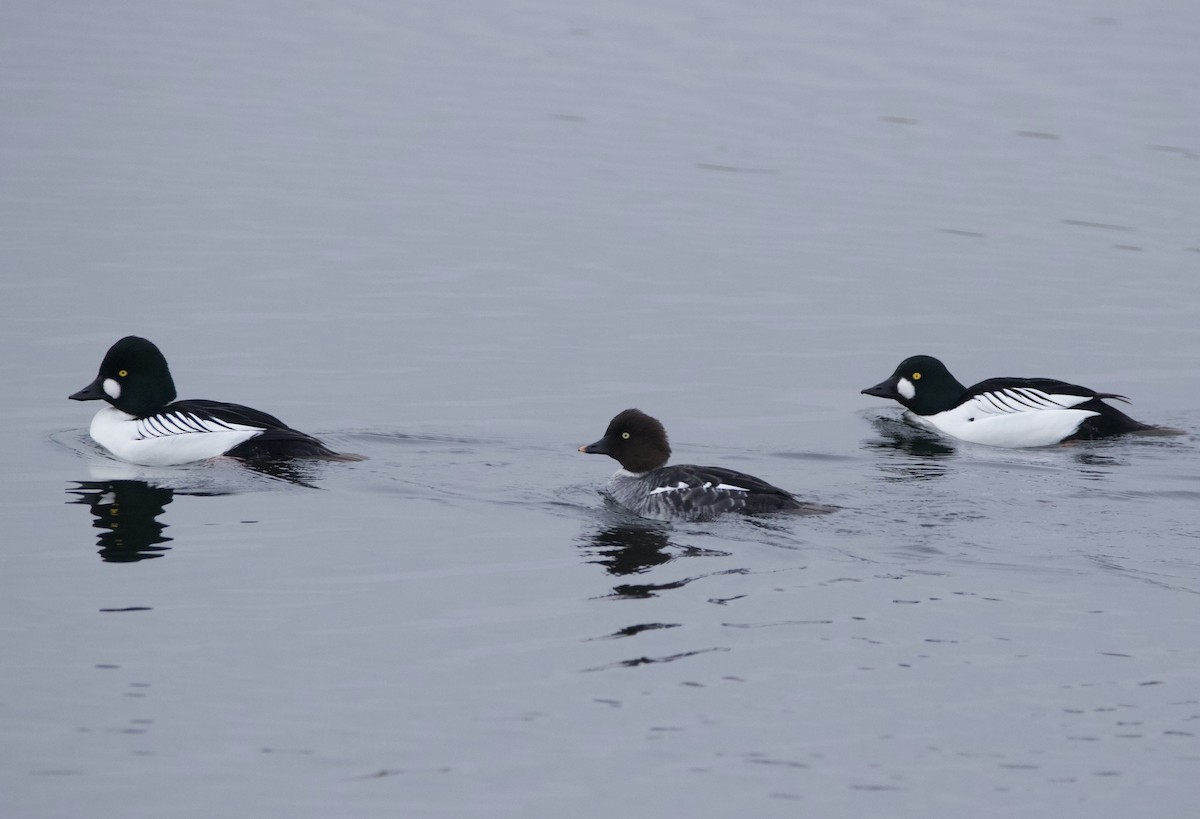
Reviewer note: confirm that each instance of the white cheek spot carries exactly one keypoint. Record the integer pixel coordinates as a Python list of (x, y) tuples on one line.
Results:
[(905, 388), (112, 389)]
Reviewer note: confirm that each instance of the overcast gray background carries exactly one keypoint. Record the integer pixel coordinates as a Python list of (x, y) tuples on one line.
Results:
[(458, 237)]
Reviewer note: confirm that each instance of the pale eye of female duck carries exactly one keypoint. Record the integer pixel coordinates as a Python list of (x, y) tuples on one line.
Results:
[(625, 435)]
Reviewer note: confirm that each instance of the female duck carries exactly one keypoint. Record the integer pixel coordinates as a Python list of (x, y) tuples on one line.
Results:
[(647, 486)]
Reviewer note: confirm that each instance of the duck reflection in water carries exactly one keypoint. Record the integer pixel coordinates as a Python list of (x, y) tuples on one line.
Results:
[(126, 507), (635, 548), (918, 454), (625, 550), (126, 513)]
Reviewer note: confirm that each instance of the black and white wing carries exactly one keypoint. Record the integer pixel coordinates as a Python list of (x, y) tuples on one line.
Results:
[(178, 419), (702, 492), (1004, 396), (1024, 412), (275, 439)]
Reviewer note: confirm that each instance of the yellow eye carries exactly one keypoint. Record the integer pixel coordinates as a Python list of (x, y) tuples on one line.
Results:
[(123, 373), (916, 376), (625, 435)]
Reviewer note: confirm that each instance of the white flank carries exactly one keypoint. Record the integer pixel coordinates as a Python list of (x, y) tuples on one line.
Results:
[(167, 439), (1020, 417)]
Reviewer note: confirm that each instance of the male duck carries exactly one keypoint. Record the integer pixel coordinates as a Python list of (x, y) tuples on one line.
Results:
[(1010, 412), (143, 426)]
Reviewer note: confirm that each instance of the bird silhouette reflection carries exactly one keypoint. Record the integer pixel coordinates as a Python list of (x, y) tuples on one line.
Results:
[(126, 513), (636, 548), (625, 550), (126, 509)]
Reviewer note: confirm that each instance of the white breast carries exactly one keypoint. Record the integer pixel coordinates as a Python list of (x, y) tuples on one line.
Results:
[(167, 439), (1021, 417)]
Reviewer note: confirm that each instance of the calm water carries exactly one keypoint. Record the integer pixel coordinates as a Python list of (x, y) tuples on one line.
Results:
[(457, 238)]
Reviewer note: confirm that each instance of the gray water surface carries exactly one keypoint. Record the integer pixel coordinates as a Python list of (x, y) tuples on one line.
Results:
[(457, 238)]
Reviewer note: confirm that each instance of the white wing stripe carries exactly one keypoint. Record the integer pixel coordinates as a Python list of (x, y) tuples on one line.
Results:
[(195, 423), (662, 489), (185, 423), (1037, 398), (994, 400), (721, 487), (212, 424), (1019, 400), (1010, 401)]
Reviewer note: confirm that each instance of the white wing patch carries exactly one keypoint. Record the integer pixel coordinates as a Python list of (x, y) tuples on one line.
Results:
[(676, 488), (728, 487), (707, 485), (182, 423), (1021, 399), (679, 494)]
